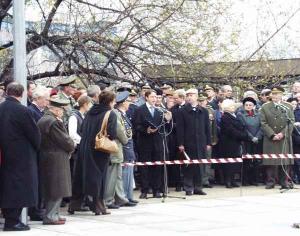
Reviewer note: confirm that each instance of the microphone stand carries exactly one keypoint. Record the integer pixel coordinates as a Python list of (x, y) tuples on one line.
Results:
[(287, 138), (164, 135)]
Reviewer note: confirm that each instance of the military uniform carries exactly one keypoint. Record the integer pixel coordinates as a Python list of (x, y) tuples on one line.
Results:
[(277, 119), (61, 95), (274, 120)]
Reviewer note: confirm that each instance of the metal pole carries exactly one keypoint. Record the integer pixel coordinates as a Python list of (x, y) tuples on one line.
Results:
[(20, 58), (20, 73)]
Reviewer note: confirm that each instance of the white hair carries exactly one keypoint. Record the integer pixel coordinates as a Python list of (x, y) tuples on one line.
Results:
[(251, 94), (225, 87), (40, 91), (180, 92), (93, 90), (227, 103)]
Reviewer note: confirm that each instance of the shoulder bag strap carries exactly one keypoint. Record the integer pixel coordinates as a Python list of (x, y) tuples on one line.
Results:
[(103, 130)]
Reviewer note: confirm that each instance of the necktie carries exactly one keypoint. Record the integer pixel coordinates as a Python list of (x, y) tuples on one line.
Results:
[(152, 111)]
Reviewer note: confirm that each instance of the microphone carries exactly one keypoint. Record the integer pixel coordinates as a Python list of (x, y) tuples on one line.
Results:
[(161, 109)]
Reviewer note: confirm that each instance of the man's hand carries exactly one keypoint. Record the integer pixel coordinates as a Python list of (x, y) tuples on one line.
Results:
[(181, 148), (280, 136), (168, 116), (150, 131)]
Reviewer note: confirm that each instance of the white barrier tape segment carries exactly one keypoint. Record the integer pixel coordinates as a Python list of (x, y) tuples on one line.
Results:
[(216, 161)]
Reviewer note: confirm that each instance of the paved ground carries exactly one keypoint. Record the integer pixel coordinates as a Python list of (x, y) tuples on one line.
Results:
[(247, 211)]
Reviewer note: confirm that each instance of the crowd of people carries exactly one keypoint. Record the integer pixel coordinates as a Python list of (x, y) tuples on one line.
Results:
[(48, 157)]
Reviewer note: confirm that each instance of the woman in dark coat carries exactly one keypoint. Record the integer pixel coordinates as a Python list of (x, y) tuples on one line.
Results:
[(232, 133), (250, 118), (95, 163), (56, 150)]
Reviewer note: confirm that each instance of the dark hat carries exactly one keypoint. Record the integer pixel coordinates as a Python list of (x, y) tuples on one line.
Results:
[(67, 81), (122, 96), (207, 87), (122, 89), (265, 92), (56, 101), (166, 86), (277, 89), (159, 92), (146, 86), (249, 99), (202, 97)]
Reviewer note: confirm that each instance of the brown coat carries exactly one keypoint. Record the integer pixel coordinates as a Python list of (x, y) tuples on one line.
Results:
[(56, 149)]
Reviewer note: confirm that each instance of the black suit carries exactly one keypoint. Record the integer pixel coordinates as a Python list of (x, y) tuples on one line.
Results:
[(150, 147), (193, 132)]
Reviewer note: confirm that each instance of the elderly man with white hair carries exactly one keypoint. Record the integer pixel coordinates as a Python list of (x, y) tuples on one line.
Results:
[(226, 90), (93, 91), (40, 100)]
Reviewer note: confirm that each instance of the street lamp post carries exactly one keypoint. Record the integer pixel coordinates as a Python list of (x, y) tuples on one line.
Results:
[(20, 57)]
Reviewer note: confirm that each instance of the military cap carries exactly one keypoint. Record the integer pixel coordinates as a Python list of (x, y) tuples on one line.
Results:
[(249, 99), (67, 81), (192, 91), (265, 92), (202, 97), (146, 86), (132, 92), (166, 86), (207, 87), (277, 89), (56, 101), (122, 96), (122, 89)]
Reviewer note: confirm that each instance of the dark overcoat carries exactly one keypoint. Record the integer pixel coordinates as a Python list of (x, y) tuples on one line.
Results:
[(56, 150), (95, 163), (232, 133), (193, 131), (19, 142), (36, 112)]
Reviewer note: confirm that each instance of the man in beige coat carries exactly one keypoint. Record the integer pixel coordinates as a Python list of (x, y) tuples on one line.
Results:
[(277, 119)]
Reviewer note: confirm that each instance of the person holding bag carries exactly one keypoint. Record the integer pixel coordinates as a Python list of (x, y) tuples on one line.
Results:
[(94, 150)]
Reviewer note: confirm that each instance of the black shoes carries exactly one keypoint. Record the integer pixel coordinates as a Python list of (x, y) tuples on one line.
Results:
[(178, 189), (199, 192), (128, 204), (270, 186), (143, 196), (133, 201), (157, 195), (207, 186), (196, 192), (113, 206), (18, 227)]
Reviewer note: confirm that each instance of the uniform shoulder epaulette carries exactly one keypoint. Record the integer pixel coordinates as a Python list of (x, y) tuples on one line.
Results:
[(266, 103)]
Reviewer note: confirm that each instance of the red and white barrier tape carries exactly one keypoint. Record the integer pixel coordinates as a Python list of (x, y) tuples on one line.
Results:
[(215, 160)]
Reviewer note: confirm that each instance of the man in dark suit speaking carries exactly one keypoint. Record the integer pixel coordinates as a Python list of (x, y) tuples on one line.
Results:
[(149, 122)]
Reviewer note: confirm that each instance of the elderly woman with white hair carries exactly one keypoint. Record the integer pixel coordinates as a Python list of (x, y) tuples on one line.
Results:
[(232, 133)]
